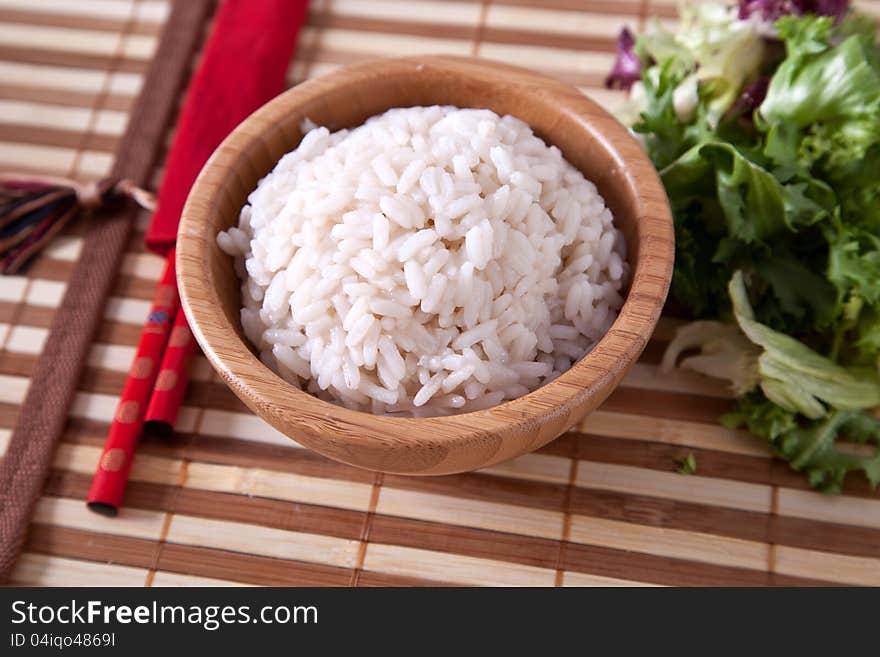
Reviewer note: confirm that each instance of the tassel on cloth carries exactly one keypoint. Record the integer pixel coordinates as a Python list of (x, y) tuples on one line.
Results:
[(35, 209)]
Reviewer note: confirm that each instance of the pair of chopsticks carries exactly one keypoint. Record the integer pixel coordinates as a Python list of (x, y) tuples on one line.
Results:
[(152, 394), (244, 64)]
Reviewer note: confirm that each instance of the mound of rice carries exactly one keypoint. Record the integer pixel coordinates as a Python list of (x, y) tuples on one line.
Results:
[(433, 260)]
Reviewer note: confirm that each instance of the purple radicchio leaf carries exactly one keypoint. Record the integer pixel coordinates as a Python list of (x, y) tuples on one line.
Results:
[(627, 68), (750, 98), (770, 10), (753, 95), (835, 8)]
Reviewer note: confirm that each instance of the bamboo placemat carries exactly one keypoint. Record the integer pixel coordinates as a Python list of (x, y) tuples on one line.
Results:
[(230, 501)]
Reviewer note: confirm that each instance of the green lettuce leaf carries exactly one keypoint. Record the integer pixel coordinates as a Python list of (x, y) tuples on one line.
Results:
[(810, 87), (725, 353), (798, 290), (813, 446), (822, 102), (794, 376), (834, 144), (866, 340), (755, 204), (789, 373), (858, 187), (854, 262), (698, 282), (665, 137), (805, 35)]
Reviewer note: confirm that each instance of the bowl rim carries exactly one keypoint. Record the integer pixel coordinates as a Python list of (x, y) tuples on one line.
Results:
[(594, 375)]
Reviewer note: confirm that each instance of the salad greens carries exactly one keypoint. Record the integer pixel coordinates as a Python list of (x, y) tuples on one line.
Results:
[(687, 465), (764, 123)]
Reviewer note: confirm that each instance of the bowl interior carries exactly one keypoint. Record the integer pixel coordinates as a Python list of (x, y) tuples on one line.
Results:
[(588, 138)]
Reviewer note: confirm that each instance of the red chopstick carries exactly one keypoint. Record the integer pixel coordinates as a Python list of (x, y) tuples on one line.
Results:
[(170, 385)]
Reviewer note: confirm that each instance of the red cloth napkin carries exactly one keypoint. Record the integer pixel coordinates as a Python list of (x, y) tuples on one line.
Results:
[(244, 65)]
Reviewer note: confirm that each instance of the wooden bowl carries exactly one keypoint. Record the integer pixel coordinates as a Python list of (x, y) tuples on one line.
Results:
[(589, 138)]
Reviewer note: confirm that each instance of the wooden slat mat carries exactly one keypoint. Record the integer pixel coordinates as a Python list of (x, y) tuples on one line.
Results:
[(230, 501)]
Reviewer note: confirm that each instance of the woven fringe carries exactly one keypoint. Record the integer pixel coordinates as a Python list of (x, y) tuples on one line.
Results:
[(34, 210)]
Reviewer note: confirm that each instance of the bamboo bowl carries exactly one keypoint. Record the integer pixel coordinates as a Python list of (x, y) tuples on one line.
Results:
[(589, 138)]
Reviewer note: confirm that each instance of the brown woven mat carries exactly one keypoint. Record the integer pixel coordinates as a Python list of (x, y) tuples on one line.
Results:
[(231, 501)]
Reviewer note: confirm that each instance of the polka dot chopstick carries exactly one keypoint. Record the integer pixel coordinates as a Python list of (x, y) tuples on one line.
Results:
[(170, 386)]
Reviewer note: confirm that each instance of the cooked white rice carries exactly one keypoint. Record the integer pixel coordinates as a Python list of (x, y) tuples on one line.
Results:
[(434, 260)]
